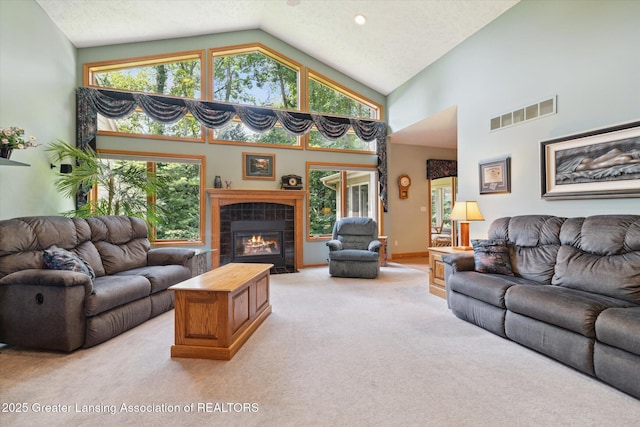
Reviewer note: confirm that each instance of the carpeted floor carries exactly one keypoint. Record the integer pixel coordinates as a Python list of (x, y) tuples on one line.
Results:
[(334, 352)]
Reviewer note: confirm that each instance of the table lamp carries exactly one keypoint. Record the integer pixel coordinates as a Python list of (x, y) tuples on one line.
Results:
[(465, 212)]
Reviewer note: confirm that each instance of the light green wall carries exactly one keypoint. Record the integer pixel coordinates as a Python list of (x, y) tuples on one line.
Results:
[(37, 82), (585, 52)]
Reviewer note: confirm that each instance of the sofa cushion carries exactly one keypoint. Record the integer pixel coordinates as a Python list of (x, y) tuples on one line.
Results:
[(491, 256), (489, 288), (23, 240), (160, 276), (567, 308), (620, 327), (121, 241), (56, 258), (88, 252), (354, 255), (533, 241), (113, 291)]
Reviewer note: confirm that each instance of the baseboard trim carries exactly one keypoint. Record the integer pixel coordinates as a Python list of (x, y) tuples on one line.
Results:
[(409, 255)]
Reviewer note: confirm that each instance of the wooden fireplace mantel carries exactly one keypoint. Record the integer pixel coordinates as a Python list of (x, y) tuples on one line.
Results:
[(221, 197)]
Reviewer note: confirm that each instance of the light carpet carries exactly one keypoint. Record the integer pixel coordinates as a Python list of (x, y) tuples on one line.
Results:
[(334, 352)]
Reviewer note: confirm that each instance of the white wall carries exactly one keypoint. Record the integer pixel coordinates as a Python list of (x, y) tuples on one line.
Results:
[(584, 52), (37, 87)]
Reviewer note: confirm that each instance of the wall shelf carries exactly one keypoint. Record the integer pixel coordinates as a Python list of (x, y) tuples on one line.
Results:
[(7, 162)]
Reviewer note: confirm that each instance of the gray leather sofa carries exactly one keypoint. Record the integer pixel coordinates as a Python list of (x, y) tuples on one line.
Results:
[(59, 309), (574, 294)]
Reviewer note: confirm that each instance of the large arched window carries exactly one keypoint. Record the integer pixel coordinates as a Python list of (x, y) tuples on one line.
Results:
[(250, 74)]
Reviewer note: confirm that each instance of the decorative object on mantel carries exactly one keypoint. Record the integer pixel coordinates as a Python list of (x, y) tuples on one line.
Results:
[(228, 184), (291, 182), (118, 104), (217, 182), (465, 212), (11, 138)]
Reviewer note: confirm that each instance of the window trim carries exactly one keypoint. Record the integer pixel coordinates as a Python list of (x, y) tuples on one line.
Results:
[(159, 157), (343, 168)]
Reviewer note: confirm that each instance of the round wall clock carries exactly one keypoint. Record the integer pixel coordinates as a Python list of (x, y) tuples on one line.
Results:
[(404, 182)]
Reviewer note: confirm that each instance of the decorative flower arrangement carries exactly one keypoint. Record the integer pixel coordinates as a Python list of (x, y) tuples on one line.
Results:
[(12, 138)]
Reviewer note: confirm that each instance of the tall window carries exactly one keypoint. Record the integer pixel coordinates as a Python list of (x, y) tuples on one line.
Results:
[(337, 191), (257, 76), (177, 75), (441, 202), (179, 202), (327, 97)]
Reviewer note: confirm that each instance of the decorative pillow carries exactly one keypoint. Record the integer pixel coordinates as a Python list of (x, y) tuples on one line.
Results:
[(56, 258), (492, 256)]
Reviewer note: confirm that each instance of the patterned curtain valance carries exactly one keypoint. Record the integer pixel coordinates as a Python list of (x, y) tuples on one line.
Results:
[(441, 168), (115, 104)]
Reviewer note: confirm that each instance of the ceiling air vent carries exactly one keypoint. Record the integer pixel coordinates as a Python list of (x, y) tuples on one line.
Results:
[(523, 114)]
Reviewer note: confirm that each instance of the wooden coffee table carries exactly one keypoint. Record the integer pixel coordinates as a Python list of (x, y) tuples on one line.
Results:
[(216, 312)]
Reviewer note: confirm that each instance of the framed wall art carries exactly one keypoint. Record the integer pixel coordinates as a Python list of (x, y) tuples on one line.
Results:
[(495, 176), (258, 166), (604, 163)]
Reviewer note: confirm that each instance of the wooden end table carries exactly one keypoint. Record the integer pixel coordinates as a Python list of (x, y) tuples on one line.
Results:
[(216, 312), (437, 283)]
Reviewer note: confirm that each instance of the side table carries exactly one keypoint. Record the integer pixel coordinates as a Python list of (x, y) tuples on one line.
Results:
[(437, 283)]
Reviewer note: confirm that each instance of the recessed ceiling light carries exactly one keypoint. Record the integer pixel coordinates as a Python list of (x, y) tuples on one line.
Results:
[(360, 19)]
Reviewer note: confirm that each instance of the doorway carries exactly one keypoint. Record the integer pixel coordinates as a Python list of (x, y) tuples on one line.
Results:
[(442, 193)]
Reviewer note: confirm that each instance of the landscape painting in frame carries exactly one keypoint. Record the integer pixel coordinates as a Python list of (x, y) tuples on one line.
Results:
[(600, 164), (258, 166)]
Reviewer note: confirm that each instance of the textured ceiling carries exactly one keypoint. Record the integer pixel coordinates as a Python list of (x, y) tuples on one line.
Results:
[(400, 38)]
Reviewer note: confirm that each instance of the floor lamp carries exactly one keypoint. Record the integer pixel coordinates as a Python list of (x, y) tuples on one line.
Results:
[(465, 212)]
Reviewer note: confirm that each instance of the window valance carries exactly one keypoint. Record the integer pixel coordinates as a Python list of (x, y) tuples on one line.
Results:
[(115, 104), (441, 168)]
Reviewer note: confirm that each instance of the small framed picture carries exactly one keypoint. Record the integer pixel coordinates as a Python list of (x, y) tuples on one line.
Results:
[(258, 166), (495, 176)]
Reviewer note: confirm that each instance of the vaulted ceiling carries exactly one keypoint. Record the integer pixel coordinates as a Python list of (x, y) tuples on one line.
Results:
[(399, 39)]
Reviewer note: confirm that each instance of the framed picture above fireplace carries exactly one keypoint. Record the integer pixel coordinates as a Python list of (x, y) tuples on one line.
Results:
[(259, 166)]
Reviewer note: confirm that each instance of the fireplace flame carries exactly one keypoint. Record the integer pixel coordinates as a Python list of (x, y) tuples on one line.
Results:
[(257, 245)]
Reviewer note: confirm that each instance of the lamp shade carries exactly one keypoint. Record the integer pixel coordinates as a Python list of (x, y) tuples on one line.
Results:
[(466, 211)]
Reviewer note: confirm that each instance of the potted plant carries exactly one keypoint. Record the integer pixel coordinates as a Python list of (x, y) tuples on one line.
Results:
[(11, 138), (124, 188)]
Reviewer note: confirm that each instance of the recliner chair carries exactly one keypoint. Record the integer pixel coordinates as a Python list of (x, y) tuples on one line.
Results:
[(354, 248)]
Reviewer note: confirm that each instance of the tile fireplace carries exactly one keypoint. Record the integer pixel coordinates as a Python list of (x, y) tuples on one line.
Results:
[(263, 226)]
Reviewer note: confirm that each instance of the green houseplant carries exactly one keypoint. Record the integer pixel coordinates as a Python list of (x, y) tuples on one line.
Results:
[(124, 188)]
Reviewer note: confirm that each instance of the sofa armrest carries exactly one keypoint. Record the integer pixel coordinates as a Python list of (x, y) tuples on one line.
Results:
[(334, 245), (52, 278), (44, 309), (375, 245), (461, 261), (170, 256)]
